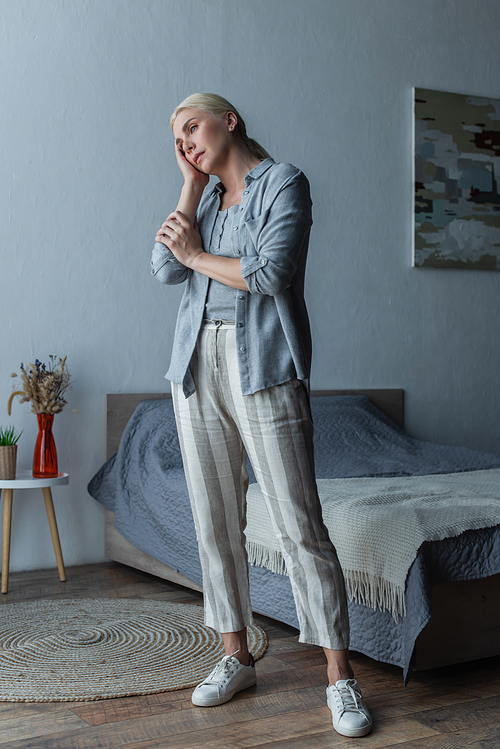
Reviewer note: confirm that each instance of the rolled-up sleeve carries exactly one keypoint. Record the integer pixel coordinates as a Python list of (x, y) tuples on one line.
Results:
[(165, 266), (279, 237)]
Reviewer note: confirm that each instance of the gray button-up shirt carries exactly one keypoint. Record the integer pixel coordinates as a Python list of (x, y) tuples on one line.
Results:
[(271, 237)]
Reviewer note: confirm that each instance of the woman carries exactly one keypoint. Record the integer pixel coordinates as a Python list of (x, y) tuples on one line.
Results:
[(239, 370)]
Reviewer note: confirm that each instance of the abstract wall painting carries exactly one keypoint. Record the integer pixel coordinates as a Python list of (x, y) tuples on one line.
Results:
[(457, 176)]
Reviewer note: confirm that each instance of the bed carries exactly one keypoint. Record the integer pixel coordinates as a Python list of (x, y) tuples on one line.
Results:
[(451, 591)]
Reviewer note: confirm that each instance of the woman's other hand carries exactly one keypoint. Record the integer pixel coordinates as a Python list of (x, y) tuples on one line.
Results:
[(182, 239), (190, 173)]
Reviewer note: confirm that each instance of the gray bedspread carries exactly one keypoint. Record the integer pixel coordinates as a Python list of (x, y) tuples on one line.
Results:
[(144, 485)]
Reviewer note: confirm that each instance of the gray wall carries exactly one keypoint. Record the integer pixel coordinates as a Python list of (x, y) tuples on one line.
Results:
[(88, 175)]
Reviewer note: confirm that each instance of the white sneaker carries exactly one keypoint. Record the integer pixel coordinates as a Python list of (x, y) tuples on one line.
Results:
[(349, 713), (228, 677)]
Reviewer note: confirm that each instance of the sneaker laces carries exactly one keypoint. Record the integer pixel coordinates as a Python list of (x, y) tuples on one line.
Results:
[(224, 667), (349, 696)]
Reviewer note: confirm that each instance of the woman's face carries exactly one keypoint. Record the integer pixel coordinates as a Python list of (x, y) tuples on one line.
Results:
[(204, 139)]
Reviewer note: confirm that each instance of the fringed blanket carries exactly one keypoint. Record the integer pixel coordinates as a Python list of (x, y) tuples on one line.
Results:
[(378, 524)]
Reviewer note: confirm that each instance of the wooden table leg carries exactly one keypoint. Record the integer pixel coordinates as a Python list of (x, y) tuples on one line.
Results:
[(7, 522), (49, 506)]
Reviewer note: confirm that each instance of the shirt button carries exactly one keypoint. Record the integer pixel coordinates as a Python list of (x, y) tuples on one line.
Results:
[(237, 252), (241, 209), (235, 228), (245, 192), (240, 325), (262, 262), (242, 349), (241, 296)]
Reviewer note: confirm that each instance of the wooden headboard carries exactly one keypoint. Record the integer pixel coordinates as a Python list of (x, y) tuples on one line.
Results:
[(121, 406)]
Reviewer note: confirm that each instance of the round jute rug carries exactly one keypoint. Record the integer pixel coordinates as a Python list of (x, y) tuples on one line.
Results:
[(97, 649)]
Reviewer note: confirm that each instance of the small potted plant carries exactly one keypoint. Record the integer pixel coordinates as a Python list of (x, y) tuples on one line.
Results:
[(8, 452)]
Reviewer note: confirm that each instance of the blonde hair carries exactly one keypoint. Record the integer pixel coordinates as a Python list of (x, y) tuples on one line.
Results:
[(217, 106)]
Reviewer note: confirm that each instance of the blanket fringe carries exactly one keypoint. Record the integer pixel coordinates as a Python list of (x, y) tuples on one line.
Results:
[(361, 587), (375, 593), (260, 556)]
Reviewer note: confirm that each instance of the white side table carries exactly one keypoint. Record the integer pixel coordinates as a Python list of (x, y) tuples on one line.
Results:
[(25, 480)]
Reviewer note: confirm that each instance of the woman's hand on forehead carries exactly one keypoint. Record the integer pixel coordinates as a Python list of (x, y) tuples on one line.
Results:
[(189, 171)]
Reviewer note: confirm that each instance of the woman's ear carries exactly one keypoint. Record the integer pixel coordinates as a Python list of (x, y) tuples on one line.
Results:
[(232, 120)]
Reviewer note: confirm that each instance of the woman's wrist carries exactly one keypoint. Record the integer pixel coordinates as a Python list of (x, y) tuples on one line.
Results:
[(193, 185), (195, 259), (190, 199)]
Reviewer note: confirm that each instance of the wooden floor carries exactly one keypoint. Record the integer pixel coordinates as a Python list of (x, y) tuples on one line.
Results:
[(453, 707)]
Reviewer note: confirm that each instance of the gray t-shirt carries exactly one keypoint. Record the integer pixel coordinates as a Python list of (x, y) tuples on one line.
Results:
[(221, 299)]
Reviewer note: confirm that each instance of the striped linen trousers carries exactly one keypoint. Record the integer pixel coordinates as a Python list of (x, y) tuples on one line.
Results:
[(218, 427)]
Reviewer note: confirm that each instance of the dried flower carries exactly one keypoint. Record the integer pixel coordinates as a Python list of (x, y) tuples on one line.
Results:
[(44, 386)]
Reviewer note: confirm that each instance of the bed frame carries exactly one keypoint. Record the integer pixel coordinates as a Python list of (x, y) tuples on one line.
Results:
[(119, 409), (465, 623)]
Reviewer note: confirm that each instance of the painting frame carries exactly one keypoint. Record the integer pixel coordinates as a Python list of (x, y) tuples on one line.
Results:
[(456, 181)]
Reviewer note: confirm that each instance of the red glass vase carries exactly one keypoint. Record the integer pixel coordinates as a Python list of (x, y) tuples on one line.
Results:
[(45, 456)]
